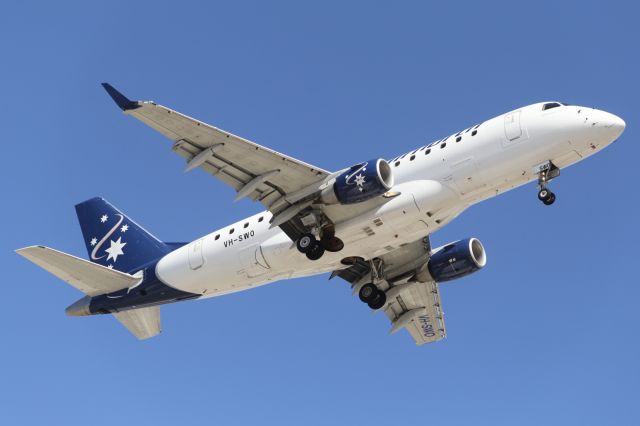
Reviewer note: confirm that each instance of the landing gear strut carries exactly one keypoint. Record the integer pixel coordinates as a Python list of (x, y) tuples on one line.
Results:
[(546, 172)]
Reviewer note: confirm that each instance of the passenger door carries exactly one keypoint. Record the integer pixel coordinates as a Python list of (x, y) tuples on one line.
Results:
[(512, 129)]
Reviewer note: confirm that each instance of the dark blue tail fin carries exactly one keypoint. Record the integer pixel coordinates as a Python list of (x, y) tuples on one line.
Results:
[(114, 240)]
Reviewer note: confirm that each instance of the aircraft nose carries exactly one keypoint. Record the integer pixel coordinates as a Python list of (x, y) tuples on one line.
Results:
[(612, 122), (617, 123), (611, 125)]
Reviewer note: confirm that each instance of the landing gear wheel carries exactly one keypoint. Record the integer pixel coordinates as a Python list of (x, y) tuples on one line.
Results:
[(379, 301), (368, 293), (305, 243), (332, 244), (543, 194), (546, 196), (316, 251), (550, 199)]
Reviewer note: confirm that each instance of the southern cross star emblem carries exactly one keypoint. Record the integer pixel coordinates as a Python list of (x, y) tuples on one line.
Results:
[(360, 182), (115, 250), (104, 218), (93, 241), (124, 228)]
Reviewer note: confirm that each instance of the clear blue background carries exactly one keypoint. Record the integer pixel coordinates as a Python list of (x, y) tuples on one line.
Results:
[(548, 332)]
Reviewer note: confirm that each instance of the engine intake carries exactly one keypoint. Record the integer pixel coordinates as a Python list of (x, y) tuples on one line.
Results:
[(456, 260), (361, 182)]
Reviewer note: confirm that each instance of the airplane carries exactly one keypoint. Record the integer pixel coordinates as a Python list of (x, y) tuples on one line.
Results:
[(368, 224)]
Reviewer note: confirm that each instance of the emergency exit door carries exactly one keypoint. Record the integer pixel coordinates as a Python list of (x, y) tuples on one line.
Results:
[(196, 260)]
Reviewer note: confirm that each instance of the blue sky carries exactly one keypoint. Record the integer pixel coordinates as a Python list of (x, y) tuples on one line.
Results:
[(547, 332)]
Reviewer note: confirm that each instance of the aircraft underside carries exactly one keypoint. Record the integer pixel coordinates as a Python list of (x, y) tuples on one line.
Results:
[(368, 224)]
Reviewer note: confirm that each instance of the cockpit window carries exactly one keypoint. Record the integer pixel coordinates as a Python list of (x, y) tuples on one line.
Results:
[(550, 105)]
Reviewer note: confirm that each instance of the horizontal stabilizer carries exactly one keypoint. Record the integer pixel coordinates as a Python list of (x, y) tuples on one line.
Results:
[(88, 277), (142, 322)]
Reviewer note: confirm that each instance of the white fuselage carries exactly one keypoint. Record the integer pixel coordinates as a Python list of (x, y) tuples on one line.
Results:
[(436, 183)]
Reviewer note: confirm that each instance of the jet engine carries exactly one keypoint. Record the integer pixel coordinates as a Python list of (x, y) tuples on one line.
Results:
[(360, 182), (456, 260)]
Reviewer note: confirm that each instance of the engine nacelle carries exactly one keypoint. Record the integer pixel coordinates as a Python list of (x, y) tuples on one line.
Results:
[(360, 182), (457, 259)]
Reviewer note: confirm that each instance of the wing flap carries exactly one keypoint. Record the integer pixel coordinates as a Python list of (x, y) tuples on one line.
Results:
[(142, 322), (88, 277), (429, 326)]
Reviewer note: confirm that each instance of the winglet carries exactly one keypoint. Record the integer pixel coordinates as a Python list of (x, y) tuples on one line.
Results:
[(121, 100)]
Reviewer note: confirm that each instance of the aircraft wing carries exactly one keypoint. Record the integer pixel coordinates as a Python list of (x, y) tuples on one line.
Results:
[(254, 171), (413, 298)]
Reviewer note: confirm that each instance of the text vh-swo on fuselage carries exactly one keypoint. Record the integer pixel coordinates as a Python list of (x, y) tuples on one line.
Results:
[(435, 184)]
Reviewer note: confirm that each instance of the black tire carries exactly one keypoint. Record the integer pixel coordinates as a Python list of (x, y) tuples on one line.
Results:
[(368, 292), (305, 243), (543, 194), (315, 252), (550, 199), (379, 301), (332, 244)]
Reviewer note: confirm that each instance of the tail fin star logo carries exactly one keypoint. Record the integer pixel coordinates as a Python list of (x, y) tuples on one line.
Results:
[(115, 248)]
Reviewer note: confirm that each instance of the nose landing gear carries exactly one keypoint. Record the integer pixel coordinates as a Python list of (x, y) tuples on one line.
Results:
[(546, 172), (546, 196)]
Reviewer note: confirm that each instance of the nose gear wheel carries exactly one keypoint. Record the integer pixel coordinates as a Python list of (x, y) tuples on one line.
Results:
[(546, 172)]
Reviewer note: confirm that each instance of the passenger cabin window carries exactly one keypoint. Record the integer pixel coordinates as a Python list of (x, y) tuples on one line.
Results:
[(443, 145), (550, 105), (413, 157), (260, 219), (473, 133), (231, 231), (217, 237), (246, 225), (459, 138), (397, 163), (427, 152)]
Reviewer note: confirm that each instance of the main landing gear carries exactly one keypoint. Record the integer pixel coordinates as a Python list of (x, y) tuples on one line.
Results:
[(546, 172), (372, 296), (370, 293), (314, 249)]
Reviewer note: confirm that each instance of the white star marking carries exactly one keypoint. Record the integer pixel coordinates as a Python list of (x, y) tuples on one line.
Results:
[(124, 228), (104, 218), (115, 250), (94, 241), (360, 181), (110, 266)]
